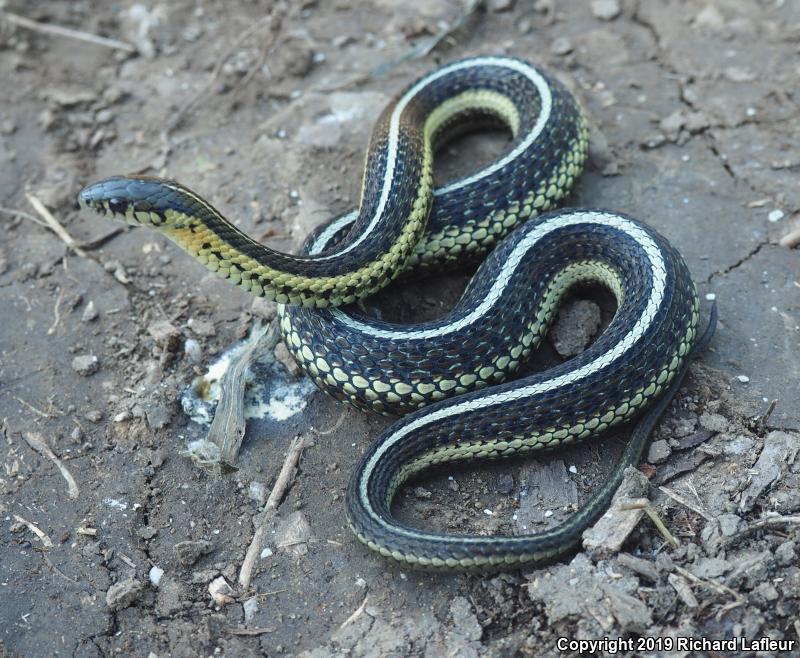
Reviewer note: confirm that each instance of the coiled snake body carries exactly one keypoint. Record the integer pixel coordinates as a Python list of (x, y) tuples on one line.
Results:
[(448, 377)]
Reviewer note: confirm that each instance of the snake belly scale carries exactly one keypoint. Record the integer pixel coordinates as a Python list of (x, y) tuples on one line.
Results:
[(448, 378)]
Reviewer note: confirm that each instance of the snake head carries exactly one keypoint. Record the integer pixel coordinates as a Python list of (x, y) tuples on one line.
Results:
[(137, 200)]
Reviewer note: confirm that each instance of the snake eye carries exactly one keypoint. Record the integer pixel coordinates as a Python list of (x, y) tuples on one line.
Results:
[(117, 206)]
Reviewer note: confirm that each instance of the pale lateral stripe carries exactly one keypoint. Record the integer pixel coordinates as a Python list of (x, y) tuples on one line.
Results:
[(394, 128), (332, 229), (640, 328), (497, 291)]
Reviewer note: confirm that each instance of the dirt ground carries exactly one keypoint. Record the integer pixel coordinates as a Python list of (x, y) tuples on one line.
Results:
[(695, 106)]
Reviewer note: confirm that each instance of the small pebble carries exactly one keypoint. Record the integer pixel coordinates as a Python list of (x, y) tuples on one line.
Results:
[(257, 492), (561, 46), (729, 524), (250, 607), (710, 296), (659, 452), (714, 422), (202, 328), (744, 379), (654, 140), (775, 216), (220, 591), (422, 493), (163, 331), (104, 116), (155, 575), (89, 313), (606, 10), (188, 552), (192, 350), (501, 5), (785, 554), (264, 309), (123, 594), (86, 365)]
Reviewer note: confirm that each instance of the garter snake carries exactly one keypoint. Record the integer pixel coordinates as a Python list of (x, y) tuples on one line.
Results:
[(447, 377)]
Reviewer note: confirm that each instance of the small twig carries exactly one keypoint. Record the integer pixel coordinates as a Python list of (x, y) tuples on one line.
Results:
[(56, 312), (655, 518), (38, 443), (46, 541), (13, 212), (38, 412), (767, 522), (710, 584), (680, 499), (760, 421), (335, 427), (275, 497), (249, 631), (263, 596), (57, 30), (359, 611), (58, 571), (127, 560), (55, 225)]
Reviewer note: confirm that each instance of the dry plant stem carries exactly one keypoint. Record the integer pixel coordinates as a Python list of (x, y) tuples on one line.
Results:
[(710, 584), (680, 499), (275, 497), (58, 571), (768, 522), (56, 312), (250, 631), (46, 541), (13, 212), (38, 443), (38, 412), (656, 519), (335, 427), (67, 32), (359, 611), (55, 225)]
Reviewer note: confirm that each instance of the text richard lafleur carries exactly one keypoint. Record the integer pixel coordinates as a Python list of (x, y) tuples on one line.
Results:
[(612, 645)]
